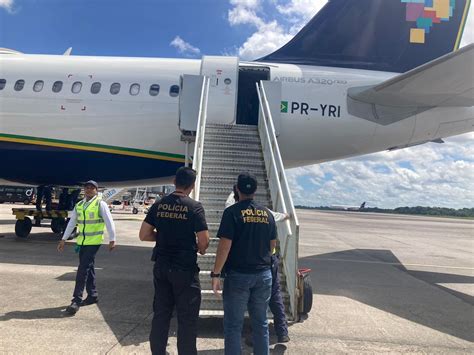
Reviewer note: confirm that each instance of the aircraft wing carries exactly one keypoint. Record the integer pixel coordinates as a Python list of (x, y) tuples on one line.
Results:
[(445, 82)]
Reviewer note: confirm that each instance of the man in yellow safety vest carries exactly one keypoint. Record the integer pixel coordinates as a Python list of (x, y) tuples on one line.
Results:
[(92, 216)]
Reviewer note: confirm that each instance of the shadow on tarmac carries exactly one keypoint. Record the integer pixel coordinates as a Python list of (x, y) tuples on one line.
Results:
[(124, 280), (367, 276), (45, 313)]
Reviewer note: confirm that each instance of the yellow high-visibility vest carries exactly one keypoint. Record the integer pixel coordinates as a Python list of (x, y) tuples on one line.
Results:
[(90, 224)]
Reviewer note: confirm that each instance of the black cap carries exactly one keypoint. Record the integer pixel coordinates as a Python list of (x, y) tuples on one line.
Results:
[(247, 183), (93, 183)]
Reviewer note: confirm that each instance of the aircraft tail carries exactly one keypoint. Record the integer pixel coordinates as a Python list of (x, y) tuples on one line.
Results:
[(383, 35)]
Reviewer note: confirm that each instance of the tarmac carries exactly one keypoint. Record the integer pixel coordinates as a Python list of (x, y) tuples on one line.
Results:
[(381, 284)]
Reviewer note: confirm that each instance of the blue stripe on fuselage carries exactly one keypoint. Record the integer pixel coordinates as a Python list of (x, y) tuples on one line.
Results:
[(35, 165)]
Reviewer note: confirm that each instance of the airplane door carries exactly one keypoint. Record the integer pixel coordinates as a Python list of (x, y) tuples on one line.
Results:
[(222, 98), (247, 101), (273, 94), (189, 99)]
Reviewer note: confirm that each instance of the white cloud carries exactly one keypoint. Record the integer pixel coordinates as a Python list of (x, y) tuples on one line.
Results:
[(7, 4), (184, 47), (301, 10), (267, 39), (250, 4), (427, 175), (269, 35)]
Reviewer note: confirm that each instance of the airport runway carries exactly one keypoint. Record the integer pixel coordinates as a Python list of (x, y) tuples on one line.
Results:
[(382, 284)]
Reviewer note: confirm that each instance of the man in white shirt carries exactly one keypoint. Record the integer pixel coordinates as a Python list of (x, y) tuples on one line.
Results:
[(92, 216)]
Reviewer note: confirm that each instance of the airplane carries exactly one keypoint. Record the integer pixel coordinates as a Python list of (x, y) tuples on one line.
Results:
[(362, 76), (348, 207)]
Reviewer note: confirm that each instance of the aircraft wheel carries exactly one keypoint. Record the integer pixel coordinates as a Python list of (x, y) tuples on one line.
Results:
[(58, 225), (307, 295), (135, 210), (23, 227), (26, 202)]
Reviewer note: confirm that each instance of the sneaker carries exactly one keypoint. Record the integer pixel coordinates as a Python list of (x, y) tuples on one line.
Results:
[(89, 300), (283, 339), (72, 309)]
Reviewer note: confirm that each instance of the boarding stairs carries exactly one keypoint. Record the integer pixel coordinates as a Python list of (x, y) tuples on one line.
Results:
[(113, 194), (221, 152)]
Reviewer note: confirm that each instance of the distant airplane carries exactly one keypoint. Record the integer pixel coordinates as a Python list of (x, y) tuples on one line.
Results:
[(362, 76), (348, 208)]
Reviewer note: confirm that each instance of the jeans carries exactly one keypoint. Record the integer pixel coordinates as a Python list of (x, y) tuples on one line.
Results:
[(241, 292), (183, 290), (276, 302), (85, 276)]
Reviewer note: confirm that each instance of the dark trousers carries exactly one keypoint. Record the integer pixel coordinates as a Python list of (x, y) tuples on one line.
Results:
[(43, 191), (180, 289), (85, 276), (276, 302)]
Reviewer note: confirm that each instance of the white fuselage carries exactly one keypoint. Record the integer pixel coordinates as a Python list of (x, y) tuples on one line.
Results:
[(315, 126)]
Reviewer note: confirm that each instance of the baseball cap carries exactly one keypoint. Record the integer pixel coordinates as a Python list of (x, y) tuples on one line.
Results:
[(247, 183), (93, 183)]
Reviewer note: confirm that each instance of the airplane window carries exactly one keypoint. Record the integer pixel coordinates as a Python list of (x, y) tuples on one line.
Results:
[(115, 88), (57, 86), (38, 86), (3, 82), (95, 87), (19, 85), (174, 90), (154, 89), (76, 87), (134, 89)]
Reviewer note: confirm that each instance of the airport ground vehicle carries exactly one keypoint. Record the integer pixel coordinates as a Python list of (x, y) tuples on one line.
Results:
[(15, 194), (24, 223)]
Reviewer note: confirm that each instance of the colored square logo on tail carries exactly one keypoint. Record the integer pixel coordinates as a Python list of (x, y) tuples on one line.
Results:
[(426, 14), (284, 107), (414, 11), (417, 35)]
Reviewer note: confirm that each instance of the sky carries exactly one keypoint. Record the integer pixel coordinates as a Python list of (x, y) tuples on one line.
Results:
[(427, 175)]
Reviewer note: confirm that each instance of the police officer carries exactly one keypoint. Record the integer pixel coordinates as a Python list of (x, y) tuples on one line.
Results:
[(247, 236), (92, 216), (181, 232), (276, 301)]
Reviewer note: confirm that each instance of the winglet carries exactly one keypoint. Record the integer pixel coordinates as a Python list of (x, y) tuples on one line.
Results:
[(68, 51)]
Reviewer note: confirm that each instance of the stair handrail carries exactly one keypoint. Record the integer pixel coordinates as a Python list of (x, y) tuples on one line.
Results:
[(281, 198), (199, 142)]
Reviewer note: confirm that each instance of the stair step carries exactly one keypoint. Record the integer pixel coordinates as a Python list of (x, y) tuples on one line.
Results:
[(229, 181), (232, 162), (222, 192), (216, 153), (230, 172), (206, 281), (231, 135), (214, 138), (232, 147), (206, 262), (231, 127)]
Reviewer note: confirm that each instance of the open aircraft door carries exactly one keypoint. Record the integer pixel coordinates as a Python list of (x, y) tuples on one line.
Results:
[(222, 100), (273, 95)]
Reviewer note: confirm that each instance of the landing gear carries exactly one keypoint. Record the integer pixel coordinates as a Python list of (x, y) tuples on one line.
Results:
[(23, 227)]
